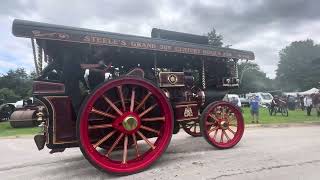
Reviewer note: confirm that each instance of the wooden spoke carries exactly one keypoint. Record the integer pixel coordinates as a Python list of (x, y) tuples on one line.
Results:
[(147, 110), (143, 101), (231, 124), (225, 133), (231, 131), (103, 113), (146, 140), (153, 119), (120, 93), (112, 105), (214, 129), (125, 150), (135, 144), (221, 137), (213, 117), (96, 119), (100, 126), (133, 94), (210, 123), (224, 112), (150, 129), (115, 144), (104, 139), (215, 134)]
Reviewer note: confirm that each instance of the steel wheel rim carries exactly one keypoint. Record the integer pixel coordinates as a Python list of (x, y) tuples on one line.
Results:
[(149, 156), (214, 132)]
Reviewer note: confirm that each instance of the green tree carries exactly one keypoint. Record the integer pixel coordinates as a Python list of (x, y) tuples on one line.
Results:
[(298, 68), (7, 95), (215, 39), (18, 81), (252, 79)]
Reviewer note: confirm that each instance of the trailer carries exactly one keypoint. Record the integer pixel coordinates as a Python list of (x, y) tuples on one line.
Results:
[(120, 98)]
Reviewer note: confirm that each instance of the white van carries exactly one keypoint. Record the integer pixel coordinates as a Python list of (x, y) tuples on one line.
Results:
[(265, 98), (229, 97)]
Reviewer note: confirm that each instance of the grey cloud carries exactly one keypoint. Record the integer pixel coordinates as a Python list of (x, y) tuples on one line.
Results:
[(263, 26)]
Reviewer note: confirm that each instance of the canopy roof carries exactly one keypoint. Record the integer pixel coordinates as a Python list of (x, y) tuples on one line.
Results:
[(29, 29), (310, 91)]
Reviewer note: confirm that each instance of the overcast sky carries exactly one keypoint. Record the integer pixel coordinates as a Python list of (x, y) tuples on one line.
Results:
[(261, 26)]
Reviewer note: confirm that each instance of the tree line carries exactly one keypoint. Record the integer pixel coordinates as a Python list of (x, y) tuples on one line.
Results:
[(15, 85)]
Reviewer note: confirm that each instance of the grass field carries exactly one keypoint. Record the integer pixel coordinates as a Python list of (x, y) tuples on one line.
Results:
[(7, 130), (297, 116)]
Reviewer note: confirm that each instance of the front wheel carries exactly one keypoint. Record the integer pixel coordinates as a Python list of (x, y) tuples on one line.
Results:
[(222, 124), (125, 125)]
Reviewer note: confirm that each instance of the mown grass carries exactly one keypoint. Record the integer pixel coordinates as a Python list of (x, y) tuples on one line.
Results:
[(7, 130), (297, 116)]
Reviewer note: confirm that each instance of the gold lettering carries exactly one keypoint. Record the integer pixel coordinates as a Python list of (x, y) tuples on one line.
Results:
[(123, 43), (86, 39)]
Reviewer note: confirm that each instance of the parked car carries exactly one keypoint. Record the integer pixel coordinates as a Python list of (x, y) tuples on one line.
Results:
[(265, 98), (230, 97)]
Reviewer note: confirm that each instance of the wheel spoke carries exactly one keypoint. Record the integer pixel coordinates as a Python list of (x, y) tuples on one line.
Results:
[(210, 123), (215, 134), (231, 131), (146, 140), (143, 101), (100, 126), (231, 124), (133, 94), (147, 110), (213, 117), (214, 129), (153, 119), (150, 129), (135, 144), (221, 137), (112, 105), (103, 113), (195, 127), (115, 144), (120, 93), (104, 139), (225, 133), (125, 150)]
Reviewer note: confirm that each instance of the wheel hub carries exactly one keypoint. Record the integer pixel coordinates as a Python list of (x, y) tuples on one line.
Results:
[(130, 123), (224, 124)]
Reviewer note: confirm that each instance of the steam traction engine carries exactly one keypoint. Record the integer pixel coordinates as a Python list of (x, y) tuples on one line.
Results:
[(121, 97)]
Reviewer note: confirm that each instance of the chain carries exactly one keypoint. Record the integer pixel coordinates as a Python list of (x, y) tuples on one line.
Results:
[(203, 75)]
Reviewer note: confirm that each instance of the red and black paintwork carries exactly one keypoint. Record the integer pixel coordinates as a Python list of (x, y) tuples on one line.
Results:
[(133, 89)]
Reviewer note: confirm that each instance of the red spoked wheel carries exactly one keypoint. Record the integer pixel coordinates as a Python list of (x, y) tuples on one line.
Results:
[(192, 128), (222, 124), (125, 125)]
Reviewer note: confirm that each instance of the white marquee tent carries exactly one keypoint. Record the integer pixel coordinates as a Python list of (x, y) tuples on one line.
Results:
[(309, 92)]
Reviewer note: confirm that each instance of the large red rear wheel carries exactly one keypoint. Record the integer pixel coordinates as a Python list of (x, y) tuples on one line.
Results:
[(125, 125), (222, 124)]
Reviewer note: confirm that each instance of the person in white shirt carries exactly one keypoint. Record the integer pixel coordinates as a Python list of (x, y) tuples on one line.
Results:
[(308, 104)]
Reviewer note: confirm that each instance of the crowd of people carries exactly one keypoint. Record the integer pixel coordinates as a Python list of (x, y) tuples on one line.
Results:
[(306, 103)]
